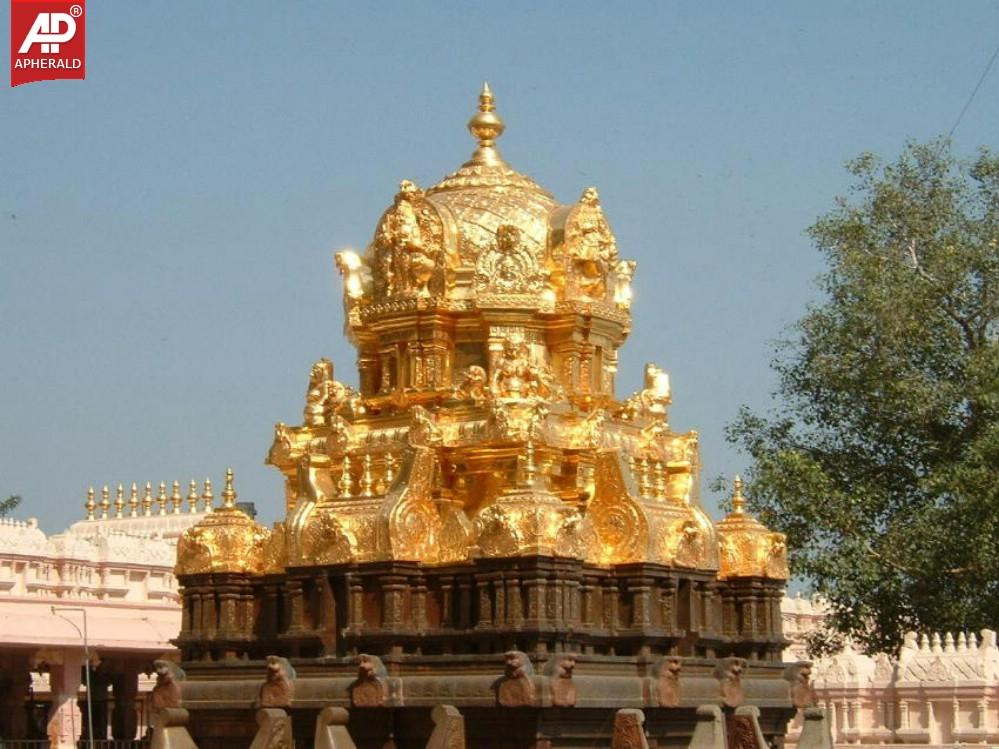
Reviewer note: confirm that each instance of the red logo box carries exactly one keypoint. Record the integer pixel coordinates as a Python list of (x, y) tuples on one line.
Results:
[(47, 41)]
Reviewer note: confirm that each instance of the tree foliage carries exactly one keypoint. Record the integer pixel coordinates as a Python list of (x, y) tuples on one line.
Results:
[(8, 505), (880, 459)]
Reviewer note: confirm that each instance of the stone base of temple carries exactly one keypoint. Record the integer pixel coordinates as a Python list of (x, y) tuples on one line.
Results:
[(485, 728), (506, 701), (535, 604)]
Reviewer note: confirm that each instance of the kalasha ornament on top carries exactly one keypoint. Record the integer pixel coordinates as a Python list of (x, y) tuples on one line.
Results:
[(487, 319)]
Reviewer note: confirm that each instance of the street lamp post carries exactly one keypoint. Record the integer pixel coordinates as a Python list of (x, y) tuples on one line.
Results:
[(86, 662)]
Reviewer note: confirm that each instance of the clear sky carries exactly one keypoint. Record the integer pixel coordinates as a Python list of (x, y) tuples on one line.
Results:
[(166, 226)]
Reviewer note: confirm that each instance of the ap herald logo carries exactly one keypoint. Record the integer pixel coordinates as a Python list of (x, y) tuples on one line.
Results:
[(47, 41)]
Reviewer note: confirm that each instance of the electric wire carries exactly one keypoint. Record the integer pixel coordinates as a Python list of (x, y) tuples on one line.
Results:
[(974, 92)]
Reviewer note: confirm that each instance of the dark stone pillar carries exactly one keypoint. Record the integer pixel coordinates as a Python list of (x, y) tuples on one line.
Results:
[(125, 688), (100, 681), (15, 679)]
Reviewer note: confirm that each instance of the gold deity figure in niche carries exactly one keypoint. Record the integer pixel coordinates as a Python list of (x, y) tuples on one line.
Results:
[(508, 267), (407, 261), (515, 377)]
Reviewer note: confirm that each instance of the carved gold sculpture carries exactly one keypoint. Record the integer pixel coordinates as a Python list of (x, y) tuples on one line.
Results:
[(487, 320)]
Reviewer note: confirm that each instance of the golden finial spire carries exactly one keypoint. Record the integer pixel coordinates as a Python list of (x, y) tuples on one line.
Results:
[(207, 497), (192, 497), (228, 494), (161, 499), (175, 498), (344, 487), (147, 500), (738, 501), (486, 126), (119, 502), (367, 478), (390, 466), (91, 504), (133, 501), (105, 501)]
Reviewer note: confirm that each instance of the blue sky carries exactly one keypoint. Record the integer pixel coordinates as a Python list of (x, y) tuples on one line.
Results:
[(166, 226)]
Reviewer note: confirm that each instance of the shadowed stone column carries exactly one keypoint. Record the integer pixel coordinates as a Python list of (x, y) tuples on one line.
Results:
[(15, 679), (100, 681), (124, 720)]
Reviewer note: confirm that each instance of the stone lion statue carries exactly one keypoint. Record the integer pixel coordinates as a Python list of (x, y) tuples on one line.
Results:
[(801, 690), (516, 687), (729, 672), (669, 681), (167, 691), (278, 689), (371, 688), (562, 686)]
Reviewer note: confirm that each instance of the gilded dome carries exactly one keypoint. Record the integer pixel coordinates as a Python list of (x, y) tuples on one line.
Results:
[(486, 193), (426, 238)]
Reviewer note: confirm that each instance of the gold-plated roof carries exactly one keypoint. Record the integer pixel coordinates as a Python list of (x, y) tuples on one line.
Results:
[(486, 193), (487, 319)]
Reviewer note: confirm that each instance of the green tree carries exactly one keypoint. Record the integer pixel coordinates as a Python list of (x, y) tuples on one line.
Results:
[(880, 458), (8, 505)]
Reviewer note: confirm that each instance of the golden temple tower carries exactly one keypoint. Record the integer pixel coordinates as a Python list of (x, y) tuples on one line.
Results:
[(483, 490)]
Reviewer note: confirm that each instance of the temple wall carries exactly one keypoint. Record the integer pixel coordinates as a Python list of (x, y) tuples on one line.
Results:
[(112, 579), (941, 690), (111, 566)]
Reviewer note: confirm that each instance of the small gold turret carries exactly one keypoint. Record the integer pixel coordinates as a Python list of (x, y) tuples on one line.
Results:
[(161, 499), (147, 500), (367, 478), (747, 548), (390, 466), (486, 126), (105, 501), (119, 502), (133, 501), (91, 504), (226, 540)]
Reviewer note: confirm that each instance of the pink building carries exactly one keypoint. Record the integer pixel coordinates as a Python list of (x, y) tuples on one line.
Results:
[(112, 572), (942, 690)]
